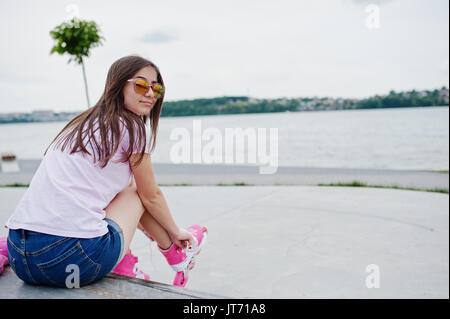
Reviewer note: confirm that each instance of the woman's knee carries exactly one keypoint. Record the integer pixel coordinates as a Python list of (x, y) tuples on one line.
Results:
[(127, 198), (126, 210)]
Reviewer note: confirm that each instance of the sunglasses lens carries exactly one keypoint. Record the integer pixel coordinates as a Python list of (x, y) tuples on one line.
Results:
[(141, 86), (157, 89)]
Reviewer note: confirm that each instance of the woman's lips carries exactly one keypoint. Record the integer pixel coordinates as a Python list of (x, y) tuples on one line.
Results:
[(147, 103)]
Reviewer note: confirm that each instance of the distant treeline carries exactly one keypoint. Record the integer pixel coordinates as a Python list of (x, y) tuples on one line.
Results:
[(244, 104), (406, 99), (225, 105)]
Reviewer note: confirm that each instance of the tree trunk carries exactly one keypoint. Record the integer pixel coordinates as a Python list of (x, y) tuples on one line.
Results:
[(85, 83)]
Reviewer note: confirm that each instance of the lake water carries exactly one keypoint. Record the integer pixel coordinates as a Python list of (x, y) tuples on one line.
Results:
[(411, 138)]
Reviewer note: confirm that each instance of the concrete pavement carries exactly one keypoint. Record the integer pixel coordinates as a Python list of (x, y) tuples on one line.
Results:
[(305, 241)]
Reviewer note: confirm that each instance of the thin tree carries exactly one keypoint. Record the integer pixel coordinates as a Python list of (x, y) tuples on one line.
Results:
[(76, 38)]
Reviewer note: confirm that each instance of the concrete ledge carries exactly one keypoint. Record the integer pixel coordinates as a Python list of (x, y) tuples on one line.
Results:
[(110, 287)]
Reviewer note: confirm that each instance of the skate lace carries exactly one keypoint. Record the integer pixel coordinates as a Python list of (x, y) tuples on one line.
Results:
[(139, 273), (189, 248), (134, 259)]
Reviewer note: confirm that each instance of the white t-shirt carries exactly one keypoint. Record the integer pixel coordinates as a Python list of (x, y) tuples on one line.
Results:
[(68, 193)]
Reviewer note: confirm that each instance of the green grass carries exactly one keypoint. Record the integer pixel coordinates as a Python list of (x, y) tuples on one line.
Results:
[(183, 184), (219, 184), (434, 171), (352, 184), (359, 184), (234, 184), (15, 185)]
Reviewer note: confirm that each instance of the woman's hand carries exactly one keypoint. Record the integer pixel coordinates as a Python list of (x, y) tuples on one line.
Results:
[(182, 238)]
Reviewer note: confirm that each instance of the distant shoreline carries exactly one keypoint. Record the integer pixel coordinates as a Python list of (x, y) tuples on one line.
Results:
[(71, 115)]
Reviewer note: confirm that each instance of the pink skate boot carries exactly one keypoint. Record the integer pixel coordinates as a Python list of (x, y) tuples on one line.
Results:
[(3, 262), (4, 247), (127, 267), (3, 254), (183, 260), (144, 232)]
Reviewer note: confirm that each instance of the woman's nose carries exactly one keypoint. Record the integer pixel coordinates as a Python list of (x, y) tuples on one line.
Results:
[(150, 93)]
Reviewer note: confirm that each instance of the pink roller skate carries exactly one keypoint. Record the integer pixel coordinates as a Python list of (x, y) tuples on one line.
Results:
[(3, 263), (3, 246), (183, 260), (144, 232), (127, 267), (3, 254)]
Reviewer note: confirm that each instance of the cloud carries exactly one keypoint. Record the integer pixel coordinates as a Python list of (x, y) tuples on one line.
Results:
[(305, 48), (159, 36)]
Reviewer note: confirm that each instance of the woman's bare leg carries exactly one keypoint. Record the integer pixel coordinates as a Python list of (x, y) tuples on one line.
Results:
[(126, 210), (154, 229)]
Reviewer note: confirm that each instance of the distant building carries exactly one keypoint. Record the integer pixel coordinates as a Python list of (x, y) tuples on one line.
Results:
[(422, 93), (42, 116), (283, 101)]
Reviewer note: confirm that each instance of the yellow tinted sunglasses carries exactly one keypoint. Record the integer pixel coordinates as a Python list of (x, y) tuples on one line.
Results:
[(141, 86)]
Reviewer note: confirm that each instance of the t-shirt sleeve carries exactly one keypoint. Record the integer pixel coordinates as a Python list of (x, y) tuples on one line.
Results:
[(136, 147)]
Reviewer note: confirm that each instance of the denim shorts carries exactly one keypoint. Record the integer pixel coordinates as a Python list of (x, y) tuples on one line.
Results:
[(43, 259)]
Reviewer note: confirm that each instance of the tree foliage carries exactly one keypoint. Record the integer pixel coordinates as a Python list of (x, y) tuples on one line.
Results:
[(405, 99), (76, 37), (225, 105)]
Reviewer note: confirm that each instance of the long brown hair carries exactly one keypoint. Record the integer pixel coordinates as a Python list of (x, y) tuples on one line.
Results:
[(108, 111)]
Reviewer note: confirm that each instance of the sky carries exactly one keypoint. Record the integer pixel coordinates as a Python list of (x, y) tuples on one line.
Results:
[(210, 48)]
